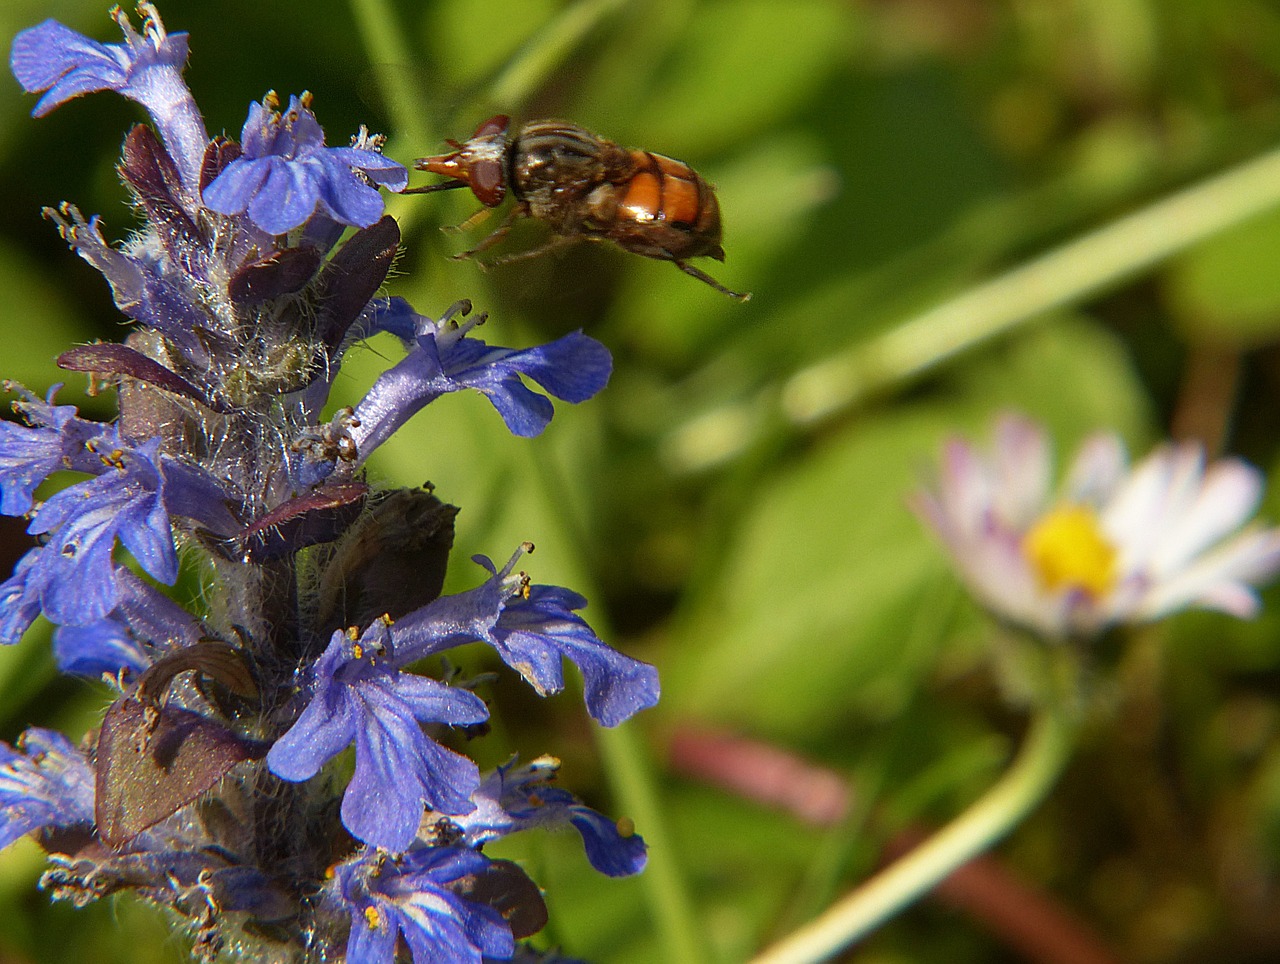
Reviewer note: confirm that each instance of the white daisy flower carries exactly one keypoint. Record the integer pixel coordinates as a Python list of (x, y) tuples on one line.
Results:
[(1114, 544)]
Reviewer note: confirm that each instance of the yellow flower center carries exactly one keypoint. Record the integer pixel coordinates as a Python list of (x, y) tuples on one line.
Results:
[(1068, 551)]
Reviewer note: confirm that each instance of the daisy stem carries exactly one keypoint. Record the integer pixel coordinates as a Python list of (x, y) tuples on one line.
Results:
[(1041, 760)]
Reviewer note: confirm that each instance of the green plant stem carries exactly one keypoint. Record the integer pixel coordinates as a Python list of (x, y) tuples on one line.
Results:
[(1063, 276), (526, 71), (631, 776), (383, 36), (1042, 758), (628, 764)]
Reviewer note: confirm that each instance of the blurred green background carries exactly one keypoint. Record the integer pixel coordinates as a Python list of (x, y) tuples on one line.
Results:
[(734, 503)]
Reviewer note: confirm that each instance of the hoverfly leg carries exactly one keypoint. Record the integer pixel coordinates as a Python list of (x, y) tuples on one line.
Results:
[(498, 234), (701, 275), (554, 242), (471, 221), (429, 188)]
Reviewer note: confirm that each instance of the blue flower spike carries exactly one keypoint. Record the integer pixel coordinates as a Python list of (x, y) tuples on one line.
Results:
[(229, 459)]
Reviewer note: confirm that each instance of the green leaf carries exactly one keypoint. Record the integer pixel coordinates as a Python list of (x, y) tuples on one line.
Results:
[(1228, 289), (829, 600), (49, 326)]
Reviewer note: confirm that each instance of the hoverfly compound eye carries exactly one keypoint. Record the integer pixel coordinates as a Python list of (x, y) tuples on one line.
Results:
[(496, 124), (486, 161), (488, 182)]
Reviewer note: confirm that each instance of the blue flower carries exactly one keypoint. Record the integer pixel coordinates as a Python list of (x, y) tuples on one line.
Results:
[(145, 289), (538, 630), (286, 172), (146, 68), (442, 360), (514, 798), (358, 694), (532, 628), (55, 439), (145, 625), (415, 898), (44, 782), (131, 500), (75, 574)]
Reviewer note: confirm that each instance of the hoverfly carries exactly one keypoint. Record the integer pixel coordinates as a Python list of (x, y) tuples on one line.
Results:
[(584, 186)]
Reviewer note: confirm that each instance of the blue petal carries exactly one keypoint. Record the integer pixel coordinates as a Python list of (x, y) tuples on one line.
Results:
[(574, 367), (145, 623), (152, 617), (75, 570), (533, 633), (20, 598), (608, 850), (399, 769), (326, 727), (378, 167), (44, 782), (394, 315), (27, 457), (368, 945), (347, 200), (525, 412), (101, 647), (237, 185), (286, 199), (194, 493), (47, 53)]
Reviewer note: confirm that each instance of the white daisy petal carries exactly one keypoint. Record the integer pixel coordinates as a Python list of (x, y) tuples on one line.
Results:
[(1096, 470), (1228, 496), (1021, 469), (1156, 490), (1250, 557), (965, 491)]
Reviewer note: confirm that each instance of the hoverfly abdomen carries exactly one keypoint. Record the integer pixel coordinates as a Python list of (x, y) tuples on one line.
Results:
[(582, 185), (667, 211)]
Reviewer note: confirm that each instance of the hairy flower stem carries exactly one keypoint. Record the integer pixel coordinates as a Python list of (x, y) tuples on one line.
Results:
[(1028, 781)]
